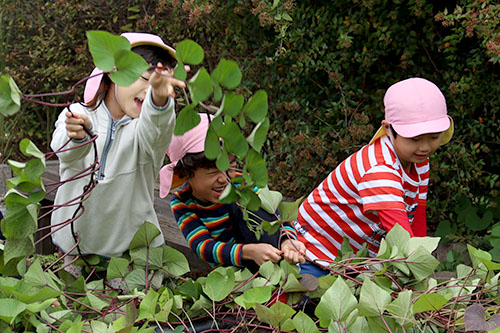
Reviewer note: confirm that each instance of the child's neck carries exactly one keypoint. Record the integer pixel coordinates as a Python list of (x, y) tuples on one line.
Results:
[(112, 104)]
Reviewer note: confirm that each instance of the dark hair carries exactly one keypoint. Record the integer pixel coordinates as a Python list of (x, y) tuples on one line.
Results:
[(187, 165), (152, 54), (394, 133)]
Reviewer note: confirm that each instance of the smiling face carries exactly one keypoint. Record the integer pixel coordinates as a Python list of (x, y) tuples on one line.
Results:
[(208, 184), (128, 100), (417, 149)]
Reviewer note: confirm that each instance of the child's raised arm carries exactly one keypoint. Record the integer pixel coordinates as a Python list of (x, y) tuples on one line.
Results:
[(162, 83)]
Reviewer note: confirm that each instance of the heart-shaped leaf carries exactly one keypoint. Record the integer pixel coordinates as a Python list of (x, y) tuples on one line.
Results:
[(103, 46), (189, 52)]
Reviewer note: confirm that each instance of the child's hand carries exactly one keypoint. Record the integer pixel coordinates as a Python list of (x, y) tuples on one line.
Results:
[(75, 123), (260, 253), (163, 82), (294, 251)]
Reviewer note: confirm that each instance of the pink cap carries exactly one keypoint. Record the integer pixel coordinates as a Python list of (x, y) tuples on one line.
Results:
[(193, 141), (414, 107), (135, 39)]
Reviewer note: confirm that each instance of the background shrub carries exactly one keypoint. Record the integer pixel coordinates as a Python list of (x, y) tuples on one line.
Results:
[(325, 66)]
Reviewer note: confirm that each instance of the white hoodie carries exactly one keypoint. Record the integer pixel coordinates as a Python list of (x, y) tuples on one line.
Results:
[(131, 152)]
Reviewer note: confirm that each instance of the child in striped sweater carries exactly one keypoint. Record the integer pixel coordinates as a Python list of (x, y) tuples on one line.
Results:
[(382, 184), (216, 231)]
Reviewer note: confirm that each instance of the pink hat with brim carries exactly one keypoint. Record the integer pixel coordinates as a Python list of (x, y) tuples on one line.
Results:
[(193, 141), (135, 39), (414, 107)]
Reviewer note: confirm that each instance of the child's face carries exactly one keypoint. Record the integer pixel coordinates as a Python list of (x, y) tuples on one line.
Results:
[(208, 184), (417, 149), (132, 97)]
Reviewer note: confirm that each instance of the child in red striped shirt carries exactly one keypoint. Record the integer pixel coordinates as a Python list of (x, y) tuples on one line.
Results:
[(382, 184)]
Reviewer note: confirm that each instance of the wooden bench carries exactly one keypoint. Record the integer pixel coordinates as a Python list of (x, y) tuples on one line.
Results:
[(171, 232)]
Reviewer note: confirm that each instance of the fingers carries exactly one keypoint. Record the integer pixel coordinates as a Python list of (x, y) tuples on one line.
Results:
[(74, 125), (294, 251)]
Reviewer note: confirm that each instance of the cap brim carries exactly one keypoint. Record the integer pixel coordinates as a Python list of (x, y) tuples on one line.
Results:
[(430, 126), (445, 137), (162, 46)]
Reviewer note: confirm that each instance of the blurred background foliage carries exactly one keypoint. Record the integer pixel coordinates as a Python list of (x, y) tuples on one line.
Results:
[(325, 66)]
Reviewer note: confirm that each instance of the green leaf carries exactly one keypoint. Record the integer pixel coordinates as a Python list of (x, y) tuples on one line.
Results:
[(96, 302), (100, 327), (373, 299), (428, 243), (200, 86), (376, 325), (76, 327), (189, 52), (231, 104), (36, 276), (222, 161), (256, 107), (304, 324), (129, 67), (399, 237), (103, 46), (269, 200), (234, 141), (293, 285), (144, 236), (136, 278), (479, 256), (421, 263), (229, 194), (256, 166), (10, 308), (117, 268), (402, 308), (251, 297), (15, 248), (429, 302), (147, 308), (20, 220), (336, 303), (359, 325), (40, 306), (271, 272), (140, 255), (28, 148), (189, 288), (258, 136), (35, 168), (227, 73), (187, 119), (289, 211), (218, 286), (10, 96), (212, 144), (276, 315), (445, 228), (179, 71), (217, 91), (174, 261)]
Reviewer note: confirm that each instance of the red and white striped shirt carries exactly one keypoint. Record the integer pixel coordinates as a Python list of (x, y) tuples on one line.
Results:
[(347, 201)]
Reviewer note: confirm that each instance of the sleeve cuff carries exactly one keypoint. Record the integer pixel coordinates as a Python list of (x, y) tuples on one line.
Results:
[(85, 139)]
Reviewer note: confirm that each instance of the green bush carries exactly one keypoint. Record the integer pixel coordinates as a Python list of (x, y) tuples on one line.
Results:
[(325, 66)]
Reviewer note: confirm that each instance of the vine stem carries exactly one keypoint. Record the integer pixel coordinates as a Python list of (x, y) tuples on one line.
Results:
[(385, 323)]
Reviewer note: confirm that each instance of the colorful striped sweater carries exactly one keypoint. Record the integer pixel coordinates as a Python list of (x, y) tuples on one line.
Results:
[(208, 228)]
